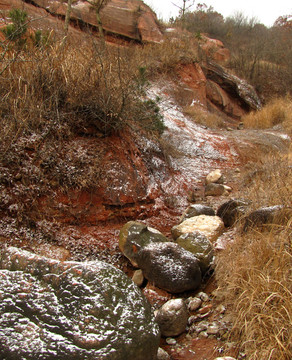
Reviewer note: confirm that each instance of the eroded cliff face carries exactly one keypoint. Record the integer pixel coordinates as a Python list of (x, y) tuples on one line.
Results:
[(138, 177)]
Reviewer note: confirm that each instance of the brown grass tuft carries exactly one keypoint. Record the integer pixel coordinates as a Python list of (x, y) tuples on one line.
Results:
[(277, 111), (204, 117)]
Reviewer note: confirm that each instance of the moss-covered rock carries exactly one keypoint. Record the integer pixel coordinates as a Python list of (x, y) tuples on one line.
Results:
[(134, 236), (70, 310), (198, 244)]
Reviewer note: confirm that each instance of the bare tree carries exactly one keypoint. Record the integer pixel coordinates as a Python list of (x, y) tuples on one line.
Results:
[(98, 5), (67, 17), (184, 8)]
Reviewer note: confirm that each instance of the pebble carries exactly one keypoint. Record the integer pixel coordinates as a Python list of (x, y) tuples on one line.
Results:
[(162, 355), (203, 296), (138, 277), (220, 309), (205, 309), (194, 304), (225, 358), (213, 329), (170, 341)]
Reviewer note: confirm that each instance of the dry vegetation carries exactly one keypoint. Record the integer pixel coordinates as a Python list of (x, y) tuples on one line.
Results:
[(204, 117), (254, 272), (277, 111)]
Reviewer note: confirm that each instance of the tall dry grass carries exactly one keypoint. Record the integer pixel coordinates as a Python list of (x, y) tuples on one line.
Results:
[(254, 272), (277, 111)]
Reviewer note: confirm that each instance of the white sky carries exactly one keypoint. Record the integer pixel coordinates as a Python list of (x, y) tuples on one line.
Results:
[(265, 11)]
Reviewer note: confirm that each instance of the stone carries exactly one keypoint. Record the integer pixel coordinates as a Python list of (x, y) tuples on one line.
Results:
[(199, 245), (134, 236), (170, 267), (203, 296), (196, 210), (211, 226), (225, 358), (232, 210), (138, 277), (214, 189), (271, 215), (214, 176), (71, 310), (162, 355), (194, 304), (172, 318), (170, 341), (213, 329)]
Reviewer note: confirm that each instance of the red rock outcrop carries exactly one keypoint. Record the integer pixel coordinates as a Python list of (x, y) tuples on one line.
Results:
[(132, 19), (215, 49)]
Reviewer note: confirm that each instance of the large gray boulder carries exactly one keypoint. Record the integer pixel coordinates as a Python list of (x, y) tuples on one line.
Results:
[(70, 310), (170, 267)]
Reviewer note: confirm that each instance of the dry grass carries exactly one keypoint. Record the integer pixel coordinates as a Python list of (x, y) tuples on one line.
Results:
[(204, 117), (254, 272), (277, 111)]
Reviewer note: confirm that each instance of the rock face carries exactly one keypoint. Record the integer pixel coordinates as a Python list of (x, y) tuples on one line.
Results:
[(211, 226), (70, 310), (132, 18), (170, 267), (239, 89), (134, 236)]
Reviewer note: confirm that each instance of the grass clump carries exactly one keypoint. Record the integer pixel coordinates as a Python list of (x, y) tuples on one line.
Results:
[(254, 272), (277, 111), (204, 117)]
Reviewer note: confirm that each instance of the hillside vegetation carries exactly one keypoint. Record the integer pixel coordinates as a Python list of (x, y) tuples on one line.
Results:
[(52, 91)]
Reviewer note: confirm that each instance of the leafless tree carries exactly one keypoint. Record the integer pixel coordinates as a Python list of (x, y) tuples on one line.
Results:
[(98, 5), (183, 8)]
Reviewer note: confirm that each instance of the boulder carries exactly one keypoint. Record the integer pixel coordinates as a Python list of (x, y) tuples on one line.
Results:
[(135, 235), (132, 18), (271, 215), (213, 189), (170, 267), (196, 210), (198, 244), (231, 210), (70, 310), (211, 226), (172, 317)]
